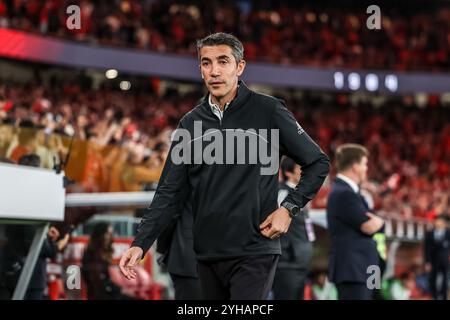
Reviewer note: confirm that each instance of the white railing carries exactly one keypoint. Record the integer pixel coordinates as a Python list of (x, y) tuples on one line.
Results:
[(396, 226)]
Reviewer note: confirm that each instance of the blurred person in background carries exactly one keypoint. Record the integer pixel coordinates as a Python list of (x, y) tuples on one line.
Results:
[(370, 191), (137, 172), (351, 226), (19, 239), (322, 289), (437, 244), (421, 279), (50, 149), (400, 289), (97, 260), (25, 144), (6, 137), (296, 245)]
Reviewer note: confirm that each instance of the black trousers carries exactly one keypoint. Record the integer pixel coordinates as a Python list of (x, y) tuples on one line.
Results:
[(34, 294), (354, 291), (245, 278), (441, 292), (289, 284), (186, 288)]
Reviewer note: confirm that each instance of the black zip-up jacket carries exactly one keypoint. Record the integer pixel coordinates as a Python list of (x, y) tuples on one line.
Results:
[(230, 201)]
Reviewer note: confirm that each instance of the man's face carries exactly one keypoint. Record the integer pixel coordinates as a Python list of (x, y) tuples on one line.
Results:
[(219, 69), (295, 175), (360, 169), (439, 224)]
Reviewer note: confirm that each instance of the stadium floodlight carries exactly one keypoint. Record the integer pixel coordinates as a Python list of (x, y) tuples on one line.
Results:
[(111, 74), (391, 82), (125, 85), (354, 81), (372, 82), (338, 80)]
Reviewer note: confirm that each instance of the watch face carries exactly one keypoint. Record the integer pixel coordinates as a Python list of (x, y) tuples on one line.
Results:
[(292, 208)]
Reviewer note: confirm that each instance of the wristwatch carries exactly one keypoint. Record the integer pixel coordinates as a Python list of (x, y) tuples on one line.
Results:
[(293, 209)]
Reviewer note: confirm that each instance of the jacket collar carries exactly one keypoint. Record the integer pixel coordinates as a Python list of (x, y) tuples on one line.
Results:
[(349, 182), (243, 93)]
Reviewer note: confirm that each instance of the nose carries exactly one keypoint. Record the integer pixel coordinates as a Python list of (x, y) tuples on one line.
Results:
[(215, 70)]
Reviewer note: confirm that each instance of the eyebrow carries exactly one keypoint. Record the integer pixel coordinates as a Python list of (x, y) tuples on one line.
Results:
[(223, 57), (218, 58)]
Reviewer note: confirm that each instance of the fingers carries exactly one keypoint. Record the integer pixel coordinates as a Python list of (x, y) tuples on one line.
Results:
[(276, 224), (276, 235), (130, 266), (133, 260), (267, 232), (127, 263), (123, 262), (370, 215), (266, 223), (272, 232)]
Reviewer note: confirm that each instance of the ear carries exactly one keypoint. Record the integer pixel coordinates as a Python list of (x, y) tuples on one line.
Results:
[(241, 67)]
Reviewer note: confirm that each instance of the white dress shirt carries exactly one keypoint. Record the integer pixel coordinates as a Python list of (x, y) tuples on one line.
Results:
[(215, 108), (349, 181)]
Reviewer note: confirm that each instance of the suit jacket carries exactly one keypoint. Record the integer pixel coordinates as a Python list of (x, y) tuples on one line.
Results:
[(295, 246), (437, 250), (352, 251)]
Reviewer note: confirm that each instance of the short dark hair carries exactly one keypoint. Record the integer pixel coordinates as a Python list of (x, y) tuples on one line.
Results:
[(348, 154), (30, 160), (442, 217), (287, 165), (219, 38)]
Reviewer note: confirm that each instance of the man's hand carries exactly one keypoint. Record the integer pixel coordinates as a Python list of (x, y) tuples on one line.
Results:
[(62, 244), (428, 267), (129, 260), (372, 225), (276, 224), (53, 233)]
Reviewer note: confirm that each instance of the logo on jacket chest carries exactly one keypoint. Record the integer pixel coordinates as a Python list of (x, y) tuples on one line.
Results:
[(227, 146)]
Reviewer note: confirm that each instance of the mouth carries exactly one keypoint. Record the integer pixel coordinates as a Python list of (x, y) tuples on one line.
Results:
[(215, 83)]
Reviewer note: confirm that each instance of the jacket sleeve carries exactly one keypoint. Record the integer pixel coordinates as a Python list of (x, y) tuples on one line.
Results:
[(296, 144), (170, 193), (350, 211)]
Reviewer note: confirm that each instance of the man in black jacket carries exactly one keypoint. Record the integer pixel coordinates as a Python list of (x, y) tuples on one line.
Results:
[(226, 153), (351, 226), (296, 245), (437, 249)]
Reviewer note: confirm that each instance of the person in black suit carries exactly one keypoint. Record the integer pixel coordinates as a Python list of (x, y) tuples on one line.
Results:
[(176, 244), (437, 243), (296, 245), (351, 226)]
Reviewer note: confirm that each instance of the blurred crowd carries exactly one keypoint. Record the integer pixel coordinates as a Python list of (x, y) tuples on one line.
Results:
[(121, 140), (416, 37)]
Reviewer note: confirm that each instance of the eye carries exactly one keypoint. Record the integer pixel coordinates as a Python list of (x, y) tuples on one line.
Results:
[(205, 63), (223, 61)]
